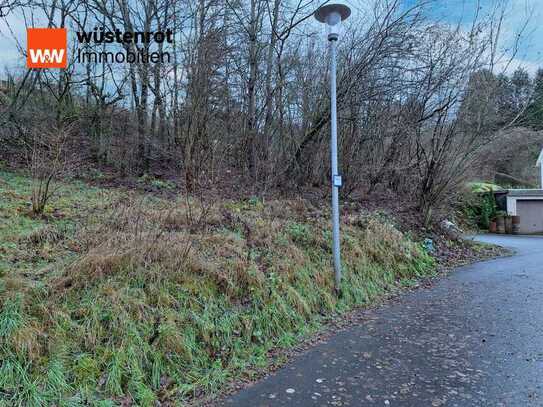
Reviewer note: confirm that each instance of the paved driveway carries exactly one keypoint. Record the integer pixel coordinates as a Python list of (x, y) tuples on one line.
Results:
[(474, 339)]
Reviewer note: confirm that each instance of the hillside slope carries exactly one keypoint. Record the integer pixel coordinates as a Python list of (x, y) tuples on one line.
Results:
[(113, 297)]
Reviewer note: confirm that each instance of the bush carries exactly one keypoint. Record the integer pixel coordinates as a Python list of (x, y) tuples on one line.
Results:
[(480, 208)]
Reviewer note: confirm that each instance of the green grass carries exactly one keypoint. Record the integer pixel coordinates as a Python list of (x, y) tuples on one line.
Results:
[(110, 297), (71, 203)]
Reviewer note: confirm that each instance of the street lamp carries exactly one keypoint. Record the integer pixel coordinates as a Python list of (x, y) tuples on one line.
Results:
[(332, 15)]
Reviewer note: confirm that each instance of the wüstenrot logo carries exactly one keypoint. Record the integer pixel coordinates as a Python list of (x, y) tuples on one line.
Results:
[(46, 47)]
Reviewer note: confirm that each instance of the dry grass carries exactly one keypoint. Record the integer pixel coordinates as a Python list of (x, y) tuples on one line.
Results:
[(212, 241), (45, 234)]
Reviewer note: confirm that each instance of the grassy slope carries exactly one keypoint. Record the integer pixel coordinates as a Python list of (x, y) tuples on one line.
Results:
[(113, 298)]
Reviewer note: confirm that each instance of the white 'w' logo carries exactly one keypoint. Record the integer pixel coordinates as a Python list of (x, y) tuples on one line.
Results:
[(46, 55)]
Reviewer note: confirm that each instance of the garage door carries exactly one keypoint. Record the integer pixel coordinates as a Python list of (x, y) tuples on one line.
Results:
[(531, 216)]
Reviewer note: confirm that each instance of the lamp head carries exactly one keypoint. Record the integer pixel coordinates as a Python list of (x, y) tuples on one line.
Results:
[(332, 15)]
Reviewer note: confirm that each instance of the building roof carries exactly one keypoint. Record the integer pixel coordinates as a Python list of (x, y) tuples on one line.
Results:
[(525, 192)]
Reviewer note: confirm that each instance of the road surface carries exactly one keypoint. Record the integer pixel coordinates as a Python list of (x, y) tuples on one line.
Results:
[(474, 339)]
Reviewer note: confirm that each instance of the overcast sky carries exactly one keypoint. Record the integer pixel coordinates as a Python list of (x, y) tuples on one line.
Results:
[(530, 55), (519, 13)]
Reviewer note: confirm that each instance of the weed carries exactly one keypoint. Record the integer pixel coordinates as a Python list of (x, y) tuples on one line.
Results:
[(156, 183), (300, 233)]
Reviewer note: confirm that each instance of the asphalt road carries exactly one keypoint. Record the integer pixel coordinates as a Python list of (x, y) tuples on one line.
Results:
[(474, 339)]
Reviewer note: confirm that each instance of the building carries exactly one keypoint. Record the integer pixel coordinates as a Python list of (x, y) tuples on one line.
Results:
[(527, 204)]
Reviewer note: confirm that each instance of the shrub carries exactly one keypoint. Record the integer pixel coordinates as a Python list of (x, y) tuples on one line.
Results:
[(480, 208)]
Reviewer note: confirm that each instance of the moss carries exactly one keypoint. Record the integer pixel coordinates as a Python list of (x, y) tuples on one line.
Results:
[(151, 300)]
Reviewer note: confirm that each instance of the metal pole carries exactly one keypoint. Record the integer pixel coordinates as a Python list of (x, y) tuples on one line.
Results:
[(333, 153)]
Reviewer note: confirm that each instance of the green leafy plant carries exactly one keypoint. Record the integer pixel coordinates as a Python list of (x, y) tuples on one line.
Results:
[(480, 208)]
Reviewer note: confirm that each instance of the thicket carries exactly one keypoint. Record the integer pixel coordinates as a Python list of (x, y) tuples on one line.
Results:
[(245, 96)]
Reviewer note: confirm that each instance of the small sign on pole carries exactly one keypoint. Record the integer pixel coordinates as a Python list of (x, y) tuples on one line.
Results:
[(337, 181)]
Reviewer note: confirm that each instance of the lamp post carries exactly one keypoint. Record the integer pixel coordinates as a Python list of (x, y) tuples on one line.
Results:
[(332, 15)]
